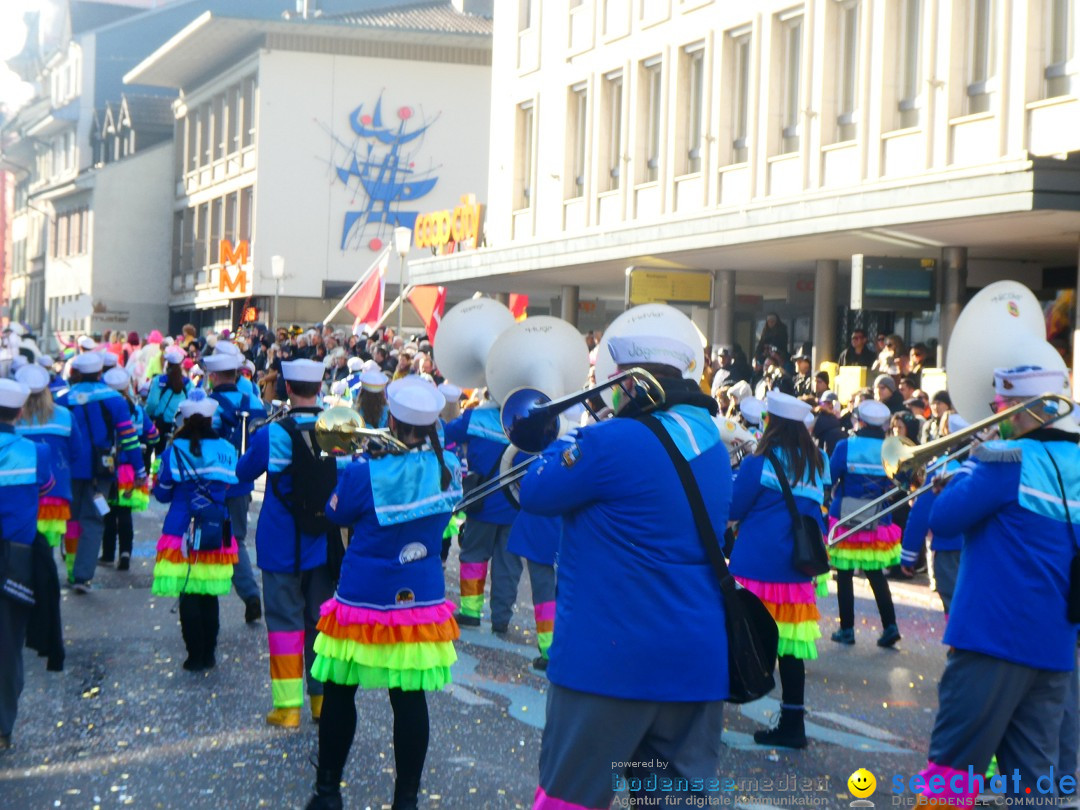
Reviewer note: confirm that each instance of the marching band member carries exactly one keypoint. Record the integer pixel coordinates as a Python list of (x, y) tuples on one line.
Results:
[(296, 579), (389, 625), (197, 463), (1011, 658), (535, 539), (44, 422), (371, 398), (752, 411), (761, 557), (104, 423), (355, 366), (856, 469), (635, 585), (236, 410), (167, 391)]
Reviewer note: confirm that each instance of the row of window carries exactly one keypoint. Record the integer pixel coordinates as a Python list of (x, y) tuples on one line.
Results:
[(198, 231), (218, 128), (70, 234), (64, 324), (735, 64), (55, 156)]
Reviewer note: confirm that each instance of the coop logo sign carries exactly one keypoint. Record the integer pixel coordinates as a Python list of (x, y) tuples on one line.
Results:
[(444, 229), (232, 277)]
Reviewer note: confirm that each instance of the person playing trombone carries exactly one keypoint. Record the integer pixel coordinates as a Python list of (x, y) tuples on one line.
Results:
[(1011, 633)]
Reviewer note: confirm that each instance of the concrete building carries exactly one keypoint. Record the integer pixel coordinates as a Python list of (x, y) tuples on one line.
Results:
[(766, 143), (312, 141)]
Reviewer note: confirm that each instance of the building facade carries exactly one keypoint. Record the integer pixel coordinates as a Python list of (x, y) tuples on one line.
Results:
[(766, 143)]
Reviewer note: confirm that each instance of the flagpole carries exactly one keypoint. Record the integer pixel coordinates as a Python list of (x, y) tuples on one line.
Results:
[(367, 274)]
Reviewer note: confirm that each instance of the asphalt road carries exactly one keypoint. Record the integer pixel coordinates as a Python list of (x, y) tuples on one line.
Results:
[(124, 725)]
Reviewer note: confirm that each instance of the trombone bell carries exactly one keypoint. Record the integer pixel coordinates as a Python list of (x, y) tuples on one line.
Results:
[(524, 427)]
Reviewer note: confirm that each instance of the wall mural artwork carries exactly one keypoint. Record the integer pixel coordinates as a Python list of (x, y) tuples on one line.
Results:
[(379, 166)]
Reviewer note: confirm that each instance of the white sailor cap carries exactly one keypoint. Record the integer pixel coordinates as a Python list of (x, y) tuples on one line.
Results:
[(873, 412), (116, 378), (221, 361), (450, 391), (13, 394), (373, 380), (302, 370), (787, 407), (740, 390), (109, 360), (634, 349), (415, 401), (33, 377), (86, 343), (174, 355), (45, 361), (370, 364), (339, 387), (88, 363), (718, 380), (16, 328), (226, 347), (355, 364), (198, 402), (752, 408), (1029, 381), (18, 361)]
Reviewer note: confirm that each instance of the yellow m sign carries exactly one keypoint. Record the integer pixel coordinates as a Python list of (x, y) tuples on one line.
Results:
[(237, 255)]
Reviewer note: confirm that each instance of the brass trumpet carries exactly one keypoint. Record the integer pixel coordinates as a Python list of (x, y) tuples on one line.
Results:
[(340, 431)]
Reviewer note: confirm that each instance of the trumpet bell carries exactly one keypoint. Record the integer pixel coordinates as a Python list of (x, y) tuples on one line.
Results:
[(897, 456), (529, 434), (337, 430)]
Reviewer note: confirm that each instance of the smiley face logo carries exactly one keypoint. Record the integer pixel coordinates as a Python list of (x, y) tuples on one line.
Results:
[(862, 783)]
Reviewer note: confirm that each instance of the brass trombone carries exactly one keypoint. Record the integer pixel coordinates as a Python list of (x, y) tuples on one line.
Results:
[(906, 462), (530, 420)]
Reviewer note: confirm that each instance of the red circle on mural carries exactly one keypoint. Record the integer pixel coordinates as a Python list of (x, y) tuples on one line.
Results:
[(412, 165), (375, 244), (404, 113), (365, 120)]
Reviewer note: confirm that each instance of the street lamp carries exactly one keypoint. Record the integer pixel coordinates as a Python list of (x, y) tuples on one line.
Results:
[(277, 270), (402, 244)]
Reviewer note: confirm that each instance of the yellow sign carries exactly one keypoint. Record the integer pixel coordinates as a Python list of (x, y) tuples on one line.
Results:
[(861, 783), (667, 286), (445, 230), (236, 282)]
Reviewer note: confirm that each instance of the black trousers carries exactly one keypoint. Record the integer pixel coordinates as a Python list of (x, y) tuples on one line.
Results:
[(199, 625), (118, 525), (845, 597)]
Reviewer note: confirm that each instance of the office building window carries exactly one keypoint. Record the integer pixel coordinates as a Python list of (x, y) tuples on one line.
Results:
[(694, 101), (909, 68), (613, 137), (740, 97), (652, 83), (221, 131), (249, 111), (523, 170), (791, 27), (578, 126), (847, 70), (982, 55), (1060, 40), (525, 14)]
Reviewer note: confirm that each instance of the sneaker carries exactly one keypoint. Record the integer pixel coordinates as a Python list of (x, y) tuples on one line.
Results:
[(845, 635), (466, 620), (106, 563), (125, 562), (889, 636), (540, 663), (5, 743), (284, 717), (81, 588), (252, 609), (499, 629)]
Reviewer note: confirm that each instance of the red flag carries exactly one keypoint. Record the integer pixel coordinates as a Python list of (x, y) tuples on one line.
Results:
[(519, 305), (367, 302), (429, 303)]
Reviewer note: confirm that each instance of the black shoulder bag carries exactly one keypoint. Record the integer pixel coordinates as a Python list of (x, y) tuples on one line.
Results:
[(752, 636), (808, 554), (1073, 604)]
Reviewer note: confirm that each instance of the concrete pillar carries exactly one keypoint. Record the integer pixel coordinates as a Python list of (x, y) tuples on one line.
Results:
[(825, 273), (723, 309), (570, 294), (953, 290)]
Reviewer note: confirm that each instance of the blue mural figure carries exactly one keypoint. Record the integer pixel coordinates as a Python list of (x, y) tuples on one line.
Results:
[(385, 173)]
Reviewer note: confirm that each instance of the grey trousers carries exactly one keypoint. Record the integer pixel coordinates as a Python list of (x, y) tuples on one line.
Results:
[(291, 603), (481, 541), (13, 619), (1070, 728), (585, 735), (989, 706), (945, 565), (243, 578), (91, 525)]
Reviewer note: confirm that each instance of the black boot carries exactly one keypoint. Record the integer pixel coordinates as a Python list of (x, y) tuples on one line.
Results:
[(191, 628), (327, 791), (788, 733), (403, 802), (211, 624)]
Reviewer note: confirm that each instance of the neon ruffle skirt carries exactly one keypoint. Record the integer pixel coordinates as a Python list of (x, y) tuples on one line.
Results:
[(404, 648), (202, 572), (868, 550), (794, 609), (137, 499), (53, 515)]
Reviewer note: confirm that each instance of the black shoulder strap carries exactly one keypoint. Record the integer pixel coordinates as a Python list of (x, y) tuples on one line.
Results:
[(705, 530), (1064, 493), (296, 435), (785, 487)]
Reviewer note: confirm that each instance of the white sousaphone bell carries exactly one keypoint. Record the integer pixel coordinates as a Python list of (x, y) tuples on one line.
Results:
[(466, 334)]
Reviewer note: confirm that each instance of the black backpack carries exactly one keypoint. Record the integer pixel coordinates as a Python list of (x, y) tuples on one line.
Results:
[(314, 478)]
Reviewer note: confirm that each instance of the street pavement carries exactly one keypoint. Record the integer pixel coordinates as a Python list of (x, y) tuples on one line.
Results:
[(125, 726)]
